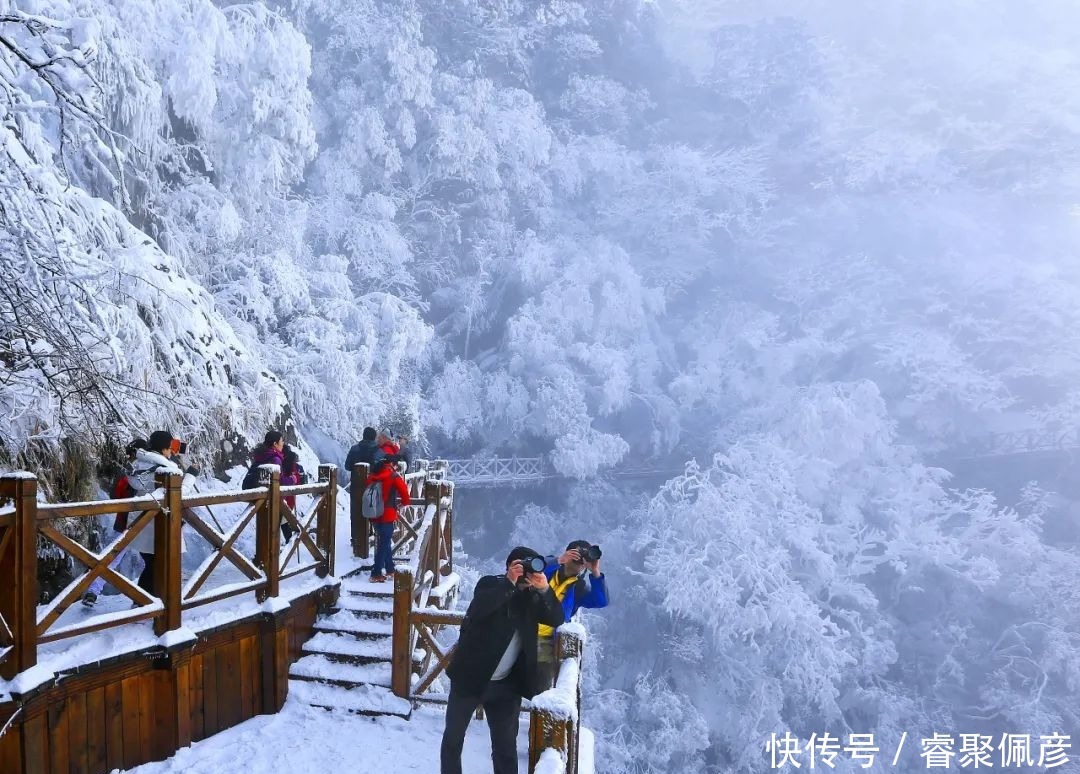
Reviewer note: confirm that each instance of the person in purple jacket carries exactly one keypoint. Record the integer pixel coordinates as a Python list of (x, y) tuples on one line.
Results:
[(576, 579), (292, 473)]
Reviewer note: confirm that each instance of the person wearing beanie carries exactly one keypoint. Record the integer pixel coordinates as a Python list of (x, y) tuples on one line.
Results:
[(576, 579), (364, 451), (494, 663)]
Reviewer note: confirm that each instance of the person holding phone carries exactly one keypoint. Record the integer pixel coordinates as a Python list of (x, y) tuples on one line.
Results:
[(494, 662)]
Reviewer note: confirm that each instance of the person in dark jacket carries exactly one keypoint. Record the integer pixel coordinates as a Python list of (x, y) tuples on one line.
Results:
[(363, 451), (494, 662)]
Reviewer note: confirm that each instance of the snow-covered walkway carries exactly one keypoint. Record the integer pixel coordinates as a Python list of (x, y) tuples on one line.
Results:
[(302, 738)]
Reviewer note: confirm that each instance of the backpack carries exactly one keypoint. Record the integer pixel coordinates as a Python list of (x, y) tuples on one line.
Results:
[(251, 479), (372, 506), (121, 490)]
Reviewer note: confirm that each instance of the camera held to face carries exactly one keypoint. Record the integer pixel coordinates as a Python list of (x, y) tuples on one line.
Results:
[(591, 554), (532, 564)]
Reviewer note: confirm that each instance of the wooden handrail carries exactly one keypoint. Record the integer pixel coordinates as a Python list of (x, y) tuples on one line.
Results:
[(18, 567), (415, 625), (23, 628), (359, 528), (268, 534), (551, 726)]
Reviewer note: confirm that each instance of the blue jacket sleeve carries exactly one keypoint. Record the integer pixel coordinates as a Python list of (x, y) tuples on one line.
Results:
[(595, 596)]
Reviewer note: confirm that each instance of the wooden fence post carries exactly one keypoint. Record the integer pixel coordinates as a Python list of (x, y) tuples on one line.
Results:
[(446, 490), (167, 525), (326, 527), (431, 497), (18, 569), (570, 647), (360, 530), (268, 534), (401, 658)]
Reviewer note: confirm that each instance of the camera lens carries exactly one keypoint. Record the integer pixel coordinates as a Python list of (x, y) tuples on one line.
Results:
[(592, 553), (533, 564)]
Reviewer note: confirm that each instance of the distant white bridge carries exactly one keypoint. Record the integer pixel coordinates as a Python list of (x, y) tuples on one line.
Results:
[(1020, 442), (524, 471), (520, 471), (497, 471)]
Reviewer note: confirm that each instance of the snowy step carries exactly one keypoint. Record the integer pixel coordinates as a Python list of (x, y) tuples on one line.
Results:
[(367, 606), (361, 586), (321, 669), (363, 700), (346, 649), (357, 626)]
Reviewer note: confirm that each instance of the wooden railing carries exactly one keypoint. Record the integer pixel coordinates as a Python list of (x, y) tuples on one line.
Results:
[(23, 626), (555, 718), (422, 593)]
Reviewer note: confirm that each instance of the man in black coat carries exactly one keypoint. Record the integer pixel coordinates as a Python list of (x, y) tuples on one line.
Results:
[(363, 451), (494, 664)]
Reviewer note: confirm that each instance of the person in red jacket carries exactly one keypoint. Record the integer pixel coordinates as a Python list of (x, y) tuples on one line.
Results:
[(386, 447), (395, 494)]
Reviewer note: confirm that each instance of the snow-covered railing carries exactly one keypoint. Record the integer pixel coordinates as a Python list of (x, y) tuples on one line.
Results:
[(422, 592), (23, 627), (555, 719)]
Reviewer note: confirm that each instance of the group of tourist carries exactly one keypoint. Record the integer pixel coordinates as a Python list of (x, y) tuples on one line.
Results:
[(159, 453), (506, 651)]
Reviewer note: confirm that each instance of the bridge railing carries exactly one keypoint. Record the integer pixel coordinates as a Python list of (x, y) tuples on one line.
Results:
[(23, 627), (495, 470), (1027, 441)]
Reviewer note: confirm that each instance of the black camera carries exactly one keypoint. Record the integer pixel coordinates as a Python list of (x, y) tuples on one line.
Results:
[(533, 564), (591, 554)]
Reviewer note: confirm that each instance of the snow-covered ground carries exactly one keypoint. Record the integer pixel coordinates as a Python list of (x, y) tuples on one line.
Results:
[(302, 738)]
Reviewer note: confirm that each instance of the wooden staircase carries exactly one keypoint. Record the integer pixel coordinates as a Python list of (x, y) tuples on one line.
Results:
[(346, 664)]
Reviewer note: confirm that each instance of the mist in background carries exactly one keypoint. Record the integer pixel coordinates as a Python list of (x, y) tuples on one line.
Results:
[(805, 258)]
